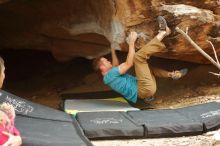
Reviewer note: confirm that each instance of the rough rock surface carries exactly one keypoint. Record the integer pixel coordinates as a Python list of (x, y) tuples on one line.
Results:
[(88, 28)]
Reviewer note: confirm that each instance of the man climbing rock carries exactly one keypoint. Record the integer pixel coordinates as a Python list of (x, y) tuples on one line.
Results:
[(143, 86)]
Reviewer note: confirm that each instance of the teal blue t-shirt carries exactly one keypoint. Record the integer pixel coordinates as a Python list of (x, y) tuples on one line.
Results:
[(124, 84)]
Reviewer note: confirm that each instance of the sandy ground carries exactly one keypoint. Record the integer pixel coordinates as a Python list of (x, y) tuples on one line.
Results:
[(43, 80), (201, 140)]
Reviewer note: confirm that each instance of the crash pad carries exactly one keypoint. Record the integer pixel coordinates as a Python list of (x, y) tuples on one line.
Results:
[(95, 102), (192, 120), (43, 126)]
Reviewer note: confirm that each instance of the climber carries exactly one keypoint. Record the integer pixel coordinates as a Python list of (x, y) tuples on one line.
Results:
[(143, 86)]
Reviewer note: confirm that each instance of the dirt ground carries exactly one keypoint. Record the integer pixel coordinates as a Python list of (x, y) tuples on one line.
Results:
[(36, 76)]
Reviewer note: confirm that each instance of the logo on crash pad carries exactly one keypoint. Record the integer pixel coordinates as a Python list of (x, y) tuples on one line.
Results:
[(19, 105), (211, 114), (100, 121)]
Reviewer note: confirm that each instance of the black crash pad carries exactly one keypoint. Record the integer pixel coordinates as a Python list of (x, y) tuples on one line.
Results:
[(208, 114), (179, 122), (108, 125), (186, 121), (43, 126), (28, 108), (44, 132), (166, 123)]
